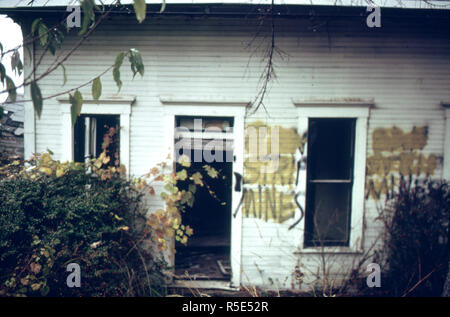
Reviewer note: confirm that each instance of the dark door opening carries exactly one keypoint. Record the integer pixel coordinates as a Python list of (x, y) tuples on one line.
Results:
[(207, 254)]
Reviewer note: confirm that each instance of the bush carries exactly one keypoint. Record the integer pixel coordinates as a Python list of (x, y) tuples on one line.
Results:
[(49, 219), (417, 239)]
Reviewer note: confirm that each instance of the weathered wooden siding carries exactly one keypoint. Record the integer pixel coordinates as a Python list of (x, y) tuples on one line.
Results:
[(403, 66)]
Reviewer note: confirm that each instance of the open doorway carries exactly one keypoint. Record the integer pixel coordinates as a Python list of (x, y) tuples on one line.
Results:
[(207, 253)]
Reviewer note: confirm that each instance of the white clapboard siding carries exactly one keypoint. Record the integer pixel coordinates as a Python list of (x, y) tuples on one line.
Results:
[(404, 67)]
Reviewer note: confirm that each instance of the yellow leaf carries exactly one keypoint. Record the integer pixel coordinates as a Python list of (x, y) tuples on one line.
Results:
[(212, 172), (24, 281), (59, 172), (35, 286), (35, 268), (189, 231), (124, 228), (46, 170), (46, 158), (106, 159), (184, 160), (197, 178), (98, 163)]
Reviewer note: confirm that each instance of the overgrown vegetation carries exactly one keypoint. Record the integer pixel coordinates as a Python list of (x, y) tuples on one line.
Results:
[(413, 247), (48, 220), (53, 214), (417, 239)]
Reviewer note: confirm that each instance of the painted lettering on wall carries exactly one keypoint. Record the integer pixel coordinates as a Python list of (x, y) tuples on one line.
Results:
[(397, 153), (269, 193)]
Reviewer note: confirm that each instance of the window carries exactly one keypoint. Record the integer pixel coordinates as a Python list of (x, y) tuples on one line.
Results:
[(329, 181), (108, 111), (330, 190), (89, 134)]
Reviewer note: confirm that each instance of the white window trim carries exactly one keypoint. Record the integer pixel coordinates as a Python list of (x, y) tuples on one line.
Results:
[(360, 110), (219, 107), (446, 167), (108, 106)]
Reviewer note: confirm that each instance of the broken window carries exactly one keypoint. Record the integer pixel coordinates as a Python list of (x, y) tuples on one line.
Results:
[(90, 133), (329, 181)]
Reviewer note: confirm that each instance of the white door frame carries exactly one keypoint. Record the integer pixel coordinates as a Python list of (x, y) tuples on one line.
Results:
[(222, 107)]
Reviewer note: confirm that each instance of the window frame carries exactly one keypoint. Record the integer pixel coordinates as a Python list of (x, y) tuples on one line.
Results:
[(309, 242), (359, 110), (107, 106)]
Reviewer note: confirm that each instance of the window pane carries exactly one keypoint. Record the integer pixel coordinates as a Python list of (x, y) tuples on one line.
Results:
[(204, 123), (328, 214), (330, 148), (88, 144)]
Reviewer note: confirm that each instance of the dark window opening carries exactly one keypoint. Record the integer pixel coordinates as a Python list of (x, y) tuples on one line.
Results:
[(329, 182), (90, 134)]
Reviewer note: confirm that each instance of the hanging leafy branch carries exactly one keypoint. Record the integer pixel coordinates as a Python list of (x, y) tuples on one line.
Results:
[(51, 39), (76, 100)]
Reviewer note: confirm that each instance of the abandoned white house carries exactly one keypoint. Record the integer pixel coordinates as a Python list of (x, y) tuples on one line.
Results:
[(353, 108)]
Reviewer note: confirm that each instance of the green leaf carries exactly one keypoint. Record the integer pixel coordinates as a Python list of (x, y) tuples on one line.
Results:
[(192, 188), (11, 88), (87, 6), (96, 88), (43, 34), (35, 24), (137, 66), (36, 96), (45, 290), (140, 9), (2, 73), (52, 48), (116, 69), (76, 102), (55, 40), (1, 49), (64, 74), (16, 63)]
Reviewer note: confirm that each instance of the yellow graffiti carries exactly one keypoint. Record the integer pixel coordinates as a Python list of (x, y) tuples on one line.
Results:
[(268, 203), (394, 139), (288, 143), (256, 173), (268, 192), (396, 153)]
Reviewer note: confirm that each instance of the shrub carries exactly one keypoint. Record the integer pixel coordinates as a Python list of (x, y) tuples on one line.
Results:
[(48, 221), (54, 213), (417, 239)]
